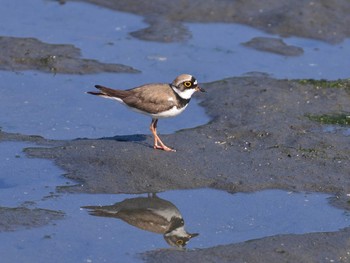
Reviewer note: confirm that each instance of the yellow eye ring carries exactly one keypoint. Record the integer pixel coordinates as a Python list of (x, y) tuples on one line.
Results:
[(187, 84), (179, 242)]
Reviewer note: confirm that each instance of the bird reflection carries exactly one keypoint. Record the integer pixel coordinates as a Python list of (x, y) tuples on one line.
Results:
[(151, 214)]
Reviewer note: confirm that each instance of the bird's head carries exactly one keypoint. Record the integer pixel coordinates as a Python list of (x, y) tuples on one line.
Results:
[(179, 239), (185, 85)]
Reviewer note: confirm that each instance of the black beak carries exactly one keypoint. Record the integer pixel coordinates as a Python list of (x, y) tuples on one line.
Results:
[(200, 89), (194, 234)]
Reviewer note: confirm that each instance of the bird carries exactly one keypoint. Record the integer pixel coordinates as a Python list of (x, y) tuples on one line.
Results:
[(149, 213), (157, 100)]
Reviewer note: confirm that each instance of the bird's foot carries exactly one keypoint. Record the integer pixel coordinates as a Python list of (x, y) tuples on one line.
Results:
[(164, 148)]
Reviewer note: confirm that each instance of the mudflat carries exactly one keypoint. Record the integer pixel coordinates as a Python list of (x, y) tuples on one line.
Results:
[(264, 133)]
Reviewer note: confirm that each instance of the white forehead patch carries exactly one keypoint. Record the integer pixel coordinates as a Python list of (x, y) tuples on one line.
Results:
[(195, 82)]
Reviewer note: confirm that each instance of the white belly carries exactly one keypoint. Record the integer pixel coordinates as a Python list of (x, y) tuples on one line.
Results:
[(165, 114), (169, 113)]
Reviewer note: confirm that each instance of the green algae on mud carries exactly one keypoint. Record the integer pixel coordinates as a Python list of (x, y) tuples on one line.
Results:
[(323, 83), (335, 118)]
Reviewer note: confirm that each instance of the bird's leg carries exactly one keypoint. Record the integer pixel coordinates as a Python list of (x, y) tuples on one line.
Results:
[(153, 129), (157, 140)]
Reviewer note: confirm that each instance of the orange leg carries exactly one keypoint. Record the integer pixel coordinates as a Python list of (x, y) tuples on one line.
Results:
[(157, 140)]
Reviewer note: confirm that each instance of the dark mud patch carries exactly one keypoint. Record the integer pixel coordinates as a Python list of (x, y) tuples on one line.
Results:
[(5, 136), (314, 247), (323, 20), (162, 30), (32, 54), (12, 219), (273, 45)]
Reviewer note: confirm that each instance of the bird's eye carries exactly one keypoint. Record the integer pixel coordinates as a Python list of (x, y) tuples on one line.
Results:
[(179, 242), (187, 84)]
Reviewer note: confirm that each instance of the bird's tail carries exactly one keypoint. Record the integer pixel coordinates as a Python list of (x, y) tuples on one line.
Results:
[(104, 211), (109, 93)]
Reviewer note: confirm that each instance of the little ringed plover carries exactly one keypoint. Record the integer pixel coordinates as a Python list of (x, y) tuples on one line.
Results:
[(157, 100)]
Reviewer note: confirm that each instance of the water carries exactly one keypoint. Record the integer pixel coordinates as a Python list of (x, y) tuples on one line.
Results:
[(336, 129), (222, 219), (219, 217)]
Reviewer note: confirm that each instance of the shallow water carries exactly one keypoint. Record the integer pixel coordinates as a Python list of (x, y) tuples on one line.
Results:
[(219, 217), (336, 129), (222, 219)]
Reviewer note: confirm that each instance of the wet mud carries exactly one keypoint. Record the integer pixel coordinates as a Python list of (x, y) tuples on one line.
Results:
[(259, 138), (323, 20), (12, 219), (273, 45), (314, 247), (32, 54)]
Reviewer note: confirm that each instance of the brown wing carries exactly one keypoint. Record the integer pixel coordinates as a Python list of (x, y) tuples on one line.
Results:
[(145, 219), (152, 98)]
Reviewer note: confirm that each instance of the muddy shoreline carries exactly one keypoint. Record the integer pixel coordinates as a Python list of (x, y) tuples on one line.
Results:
[(325, 20), (260, 137)]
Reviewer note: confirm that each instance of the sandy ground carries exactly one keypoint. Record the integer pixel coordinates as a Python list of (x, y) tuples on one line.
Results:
[(259, 138)]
